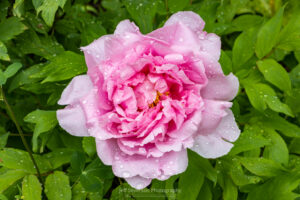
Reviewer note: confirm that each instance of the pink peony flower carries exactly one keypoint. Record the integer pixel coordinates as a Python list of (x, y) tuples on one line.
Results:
[(147, 98)]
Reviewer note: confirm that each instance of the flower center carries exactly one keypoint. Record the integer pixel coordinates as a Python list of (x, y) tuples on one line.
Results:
[(157, 99)]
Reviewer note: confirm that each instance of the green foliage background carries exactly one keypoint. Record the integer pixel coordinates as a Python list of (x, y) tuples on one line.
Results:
[(39, 54)]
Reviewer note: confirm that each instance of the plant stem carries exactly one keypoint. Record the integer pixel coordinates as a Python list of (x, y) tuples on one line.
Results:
[(13, 118)]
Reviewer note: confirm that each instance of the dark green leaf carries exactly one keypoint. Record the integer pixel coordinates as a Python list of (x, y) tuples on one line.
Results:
[(11, 27)]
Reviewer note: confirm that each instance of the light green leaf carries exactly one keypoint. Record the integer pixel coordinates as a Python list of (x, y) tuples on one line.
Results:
[(250, 138), (268, 34), (274, 121), (203, 165), (243, 48), (275, 74), (137, 10), (19, 159), (225, 62), (261, 95), (175, 5), (44, 120), (190, 189), (278, 150), (58, 157), (19, 8), (230, 191), (11, 27), (261, 166), (295, 146), (12, 69), (57, 186), (2, 78), (289, 38), (10, 177), (48, 9), (89, 145), (63, 67), (31, 188), (78, 192), (3, 52), (3, 137), (279, 188)]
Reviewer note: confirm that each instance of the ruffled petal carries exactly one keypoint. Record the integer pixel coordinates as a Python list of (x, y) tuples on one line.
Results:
[(214, 145), (188, 18), (222, 88), (211, 43), (138, 182), (212, 115), (77, 88), (106, 150), (169, 164), (126, 26), (73, 120)]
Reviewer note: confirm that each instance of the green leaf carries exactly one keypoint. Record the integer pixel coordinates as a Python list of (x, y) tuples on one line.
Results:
[(230, 191), (31, 188), (4, 4), (58, 157), (137, 10), (9, 177), (279, 188), (12, 69), (205, 192), (261, 95), (31, 43), (295, 146), (203, 165), (175, 5), (11, 27), (190, 189), (275, 74), (19, 8), (48, 9), (278, 150), (225, 62), (268, 35), (63, 67), (261, 166), (243, 48), (251, 138), (3, 137), (91, 30), (57, 186), (2, 78), (19, 159), (77, 163), (3, 52), (274, 121), (44, 120), (245, 22), (289, 38), (78, 192), (89, 145)]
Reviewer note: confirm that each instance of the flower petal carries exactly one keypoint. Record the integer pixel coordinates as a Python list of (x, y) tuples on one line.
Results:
[(138, 182), (213, 145), (77, 88), (73, 120), (106, 150), (190, 19), (222, 88), (212, 115), (126, 26)]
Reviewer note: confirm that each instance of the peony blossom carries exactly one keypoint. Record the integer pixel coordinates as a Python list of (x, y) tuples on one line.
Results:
[(147, 98)]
